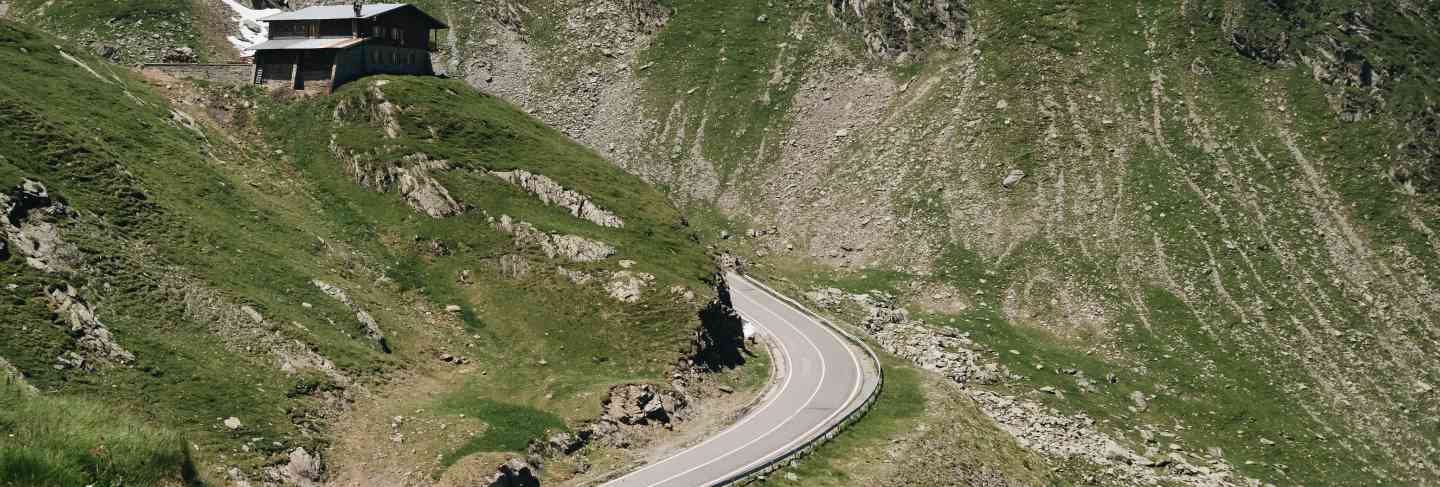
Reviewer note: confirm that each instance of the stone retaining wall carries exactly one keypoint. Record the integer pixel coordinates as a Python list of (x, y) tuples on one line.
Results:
[(219, 73)]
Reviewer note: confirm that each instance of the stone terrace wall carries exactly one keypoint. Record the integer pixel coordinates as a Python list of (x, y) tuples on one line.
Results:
[(219, 73)]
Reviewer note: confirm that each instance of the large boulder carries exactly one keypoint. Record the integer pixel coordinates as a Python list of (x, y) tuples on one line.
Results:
[(639, 404), (29, 220), (94, 342)]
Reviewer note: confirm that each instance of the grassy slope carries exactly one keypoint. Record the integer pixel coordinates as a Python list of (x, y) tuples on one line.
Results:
[(161, 202), (1138, 233)]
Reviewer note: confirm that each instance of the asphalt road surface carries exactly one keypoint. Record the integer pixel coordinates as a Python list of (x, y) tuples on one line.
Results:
[(822, 380)]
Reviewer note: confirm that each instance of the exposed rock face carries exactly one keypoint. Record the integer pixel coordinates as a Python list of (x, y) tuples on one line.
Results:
[(639, 404), (95, 344), (372, 329), (895, 27), (515, 473), (627, 286), (411, 175), (1354, 52), (302, 470), (720, 343), (425, 194), (570, 247), (29, 220), (549, 191), (372, 108)]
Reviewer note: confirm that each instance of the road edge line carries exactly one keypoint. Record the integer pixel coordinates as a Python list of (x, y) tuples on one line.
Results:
[(759, 472)]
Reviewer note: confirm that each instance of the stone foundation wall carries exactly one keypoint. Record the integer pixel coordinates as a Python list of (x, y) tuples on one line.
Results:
[(219, 73)]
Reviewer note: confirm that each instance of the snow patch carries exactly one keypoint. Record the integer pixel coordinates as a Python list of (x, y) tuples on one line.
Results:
[(252, 30)]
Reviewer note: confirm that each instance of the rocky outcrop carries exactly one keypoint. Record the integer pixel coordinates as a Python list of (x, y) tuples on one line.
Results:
[(945, 351), (421, 190), (1357, 54), (720, 342), (642, 404), (301, 470), (410, 175), (372, 329), (893, 28), (569, 247), (626, 286), (552, 193), (95, 346), (371, 107), (29, 220)]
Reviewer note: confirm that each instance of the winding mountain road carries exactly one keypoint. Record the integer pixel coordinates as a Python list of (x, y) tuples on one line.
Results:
[(823, 377)]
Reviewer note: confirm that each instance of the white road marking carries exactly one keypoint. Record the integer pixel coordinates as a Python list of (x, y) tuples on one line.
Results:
[(792, 368), (789, 361), (818, 386), (859, 375)]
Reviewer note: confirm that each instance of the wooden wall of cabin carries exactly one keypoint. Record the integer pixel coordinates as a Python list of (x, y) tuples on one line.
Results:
[(300, 29), (415, 28), (276, 69), (311, 70)]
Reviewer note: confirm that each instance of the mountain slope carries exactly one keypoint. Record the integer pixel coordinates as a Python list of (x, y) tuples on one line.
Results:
[(1223, 204), (228, 272), (1207, 224)]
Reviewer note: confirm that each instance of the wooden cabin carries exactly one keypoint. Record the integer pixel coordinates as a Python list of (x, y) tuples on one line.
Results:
[(318, 49)]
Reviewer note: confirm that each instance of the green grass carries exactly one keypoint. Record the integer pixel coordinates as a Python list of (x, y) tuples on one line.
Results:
[(717, 61), (117, 23), (60, 441), (509, 427), (158, 202), (900, 404)]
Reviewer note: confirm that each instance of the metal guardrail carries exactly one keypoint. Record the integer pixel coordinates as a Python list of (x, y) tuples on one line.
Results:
[(762, 470)]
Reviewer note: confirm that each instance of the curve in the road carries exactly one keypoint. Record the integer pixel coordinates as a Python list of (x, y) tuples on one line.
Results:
[(824, 381)]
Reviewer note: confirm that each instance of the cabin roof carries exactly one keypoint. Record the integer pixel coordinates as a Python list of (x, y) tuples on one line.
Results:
[(337, 12), (297, 44)]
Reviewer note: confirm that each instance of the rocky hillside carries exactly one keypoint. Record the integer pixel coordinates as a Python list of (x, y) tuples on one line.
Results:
[(1227, 207), (1203, 230), (201, 281)]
